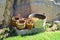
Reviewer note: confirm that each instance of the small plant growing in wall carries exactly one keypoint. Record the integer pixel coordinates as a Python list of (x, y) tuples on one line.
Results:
[(58, 24), (58, 15)]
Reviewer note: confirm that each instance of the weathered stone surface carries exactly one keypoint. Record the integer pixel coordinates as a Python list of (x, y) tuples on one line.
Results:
[(8, 12), (2, 8), (45, 6), (23, 8)]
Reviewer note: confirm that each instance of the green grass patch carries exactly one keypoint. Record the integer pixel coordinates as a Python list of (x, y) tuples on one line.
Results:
[(40, 36)]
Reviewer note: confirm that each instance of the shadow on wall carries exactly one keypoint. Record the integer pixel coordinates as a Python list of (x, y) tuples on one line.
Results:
[(22, 7)]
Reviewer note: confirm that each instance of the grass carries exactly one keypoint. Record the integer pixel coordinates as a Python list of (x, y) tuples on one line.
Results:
[(40, 36)]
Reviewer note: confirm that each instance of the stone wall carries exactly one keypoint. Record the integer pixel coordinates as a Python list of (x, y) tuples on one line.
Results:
[(45, 6), (6, 12), (22, 7), (26, 7), (2, 8)]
